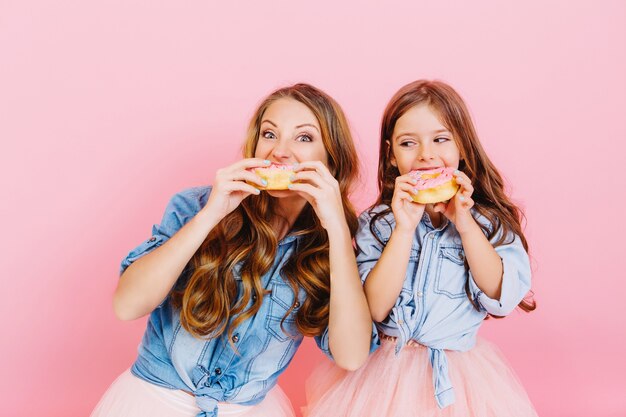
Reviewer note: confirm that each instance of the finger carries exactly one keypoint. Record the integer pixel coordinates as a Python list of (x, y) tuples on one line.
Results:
[(407, 187), (311, 177), (248, 176), (403, 195), (242, 187), (248, 163), (316, 166), (307, 189), (406, 178)]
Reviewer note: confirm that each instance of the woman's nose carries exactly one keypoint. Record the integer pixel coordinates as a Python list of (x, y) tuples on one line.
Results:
[(281, 150)]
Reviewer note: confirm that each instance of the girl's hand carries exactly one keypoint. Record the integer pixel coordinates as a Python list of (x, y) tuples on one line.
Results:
[(230, 187), (407, 213), (313, 182), (457, 209)]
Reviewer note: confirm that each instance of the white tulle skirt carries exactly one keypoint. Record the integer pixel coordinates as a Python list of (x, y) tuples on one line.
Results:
[(129, 396)]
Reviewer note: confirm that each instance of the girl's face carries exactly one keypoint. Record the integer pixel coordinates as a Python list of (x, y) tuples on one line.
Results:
[(289, 134), (421, 142)]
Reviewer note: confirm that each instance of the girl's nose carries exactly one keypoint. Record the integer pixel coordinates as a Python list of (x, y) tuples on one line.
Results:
[(425, 153)]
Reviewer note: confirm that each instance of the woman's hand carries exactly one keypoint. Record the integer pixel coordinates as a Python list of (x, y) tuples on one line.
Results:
[(457, 209), (231, 187), (406, 212), (313, 182)]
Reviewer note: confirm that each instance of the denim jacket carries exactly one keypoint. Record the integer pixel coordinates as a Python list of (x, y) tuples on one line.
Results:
[(171, 357), (433, 307)]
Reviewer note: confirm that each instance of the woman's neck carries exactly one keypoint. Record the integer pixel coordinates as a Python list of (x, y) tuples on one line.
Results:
[(287, 211)]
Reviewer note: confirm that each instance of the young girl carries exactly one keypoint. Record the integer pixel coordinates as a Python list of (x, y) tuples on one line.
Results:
[(432, 274), (233, 277)]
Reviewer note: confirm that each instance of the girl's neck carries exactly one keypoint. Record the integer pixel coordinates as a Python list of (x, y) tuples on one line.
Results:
[(435, 218)]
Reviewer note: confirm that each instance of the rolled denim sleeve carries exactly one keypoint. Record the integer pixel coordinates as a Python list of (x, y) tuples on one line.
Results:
[(369, 248), (323, 342), (515, 280), (181, 208)]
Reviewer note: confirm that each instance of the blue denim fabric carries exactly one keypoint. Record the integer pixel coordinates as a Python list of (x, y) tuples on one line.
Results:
[(171, 357), (433, 307)]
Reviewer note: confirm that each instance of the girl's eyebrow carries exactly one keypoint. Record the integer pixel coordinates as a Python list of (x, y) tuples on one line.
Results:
[(434, 132)]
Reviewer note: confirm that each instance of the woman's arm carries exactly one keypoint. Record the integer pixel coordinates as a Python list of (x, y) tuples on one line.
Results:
[(349, 322), (148, 280)]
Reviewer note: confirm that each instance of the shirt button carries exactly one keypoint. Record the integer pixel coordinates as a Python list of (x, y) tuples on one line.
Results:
[(152, 239), (297, 304), (400, 322), (431, 236), (236, 338), (419, 293), (218, 371)]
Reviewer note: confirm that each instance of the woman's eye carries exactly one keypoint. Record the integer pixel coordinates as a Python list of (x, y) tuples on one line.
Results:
[(304, 138), (268, 135)]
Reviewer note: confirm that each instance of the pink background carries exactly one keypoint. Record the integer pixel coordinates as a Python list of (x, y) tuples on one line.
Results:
[(108, 108)]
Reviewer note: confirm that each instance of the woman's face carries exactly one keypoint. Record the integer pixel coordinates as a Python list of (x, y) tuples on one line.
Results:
[(289, 134)]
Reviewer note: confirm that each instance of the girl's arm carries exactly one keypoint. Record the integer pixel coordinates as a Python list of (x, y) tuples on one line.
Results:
[(384, 283), (483, 260)]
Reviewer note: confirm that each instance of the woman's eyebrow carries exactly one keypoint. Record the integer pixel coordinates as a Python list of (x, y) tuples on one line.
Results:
[(308, 124)]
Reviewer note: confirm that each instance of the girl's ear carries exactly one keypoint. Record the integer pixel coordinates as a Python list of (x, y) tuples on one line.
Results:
[(390, 155)]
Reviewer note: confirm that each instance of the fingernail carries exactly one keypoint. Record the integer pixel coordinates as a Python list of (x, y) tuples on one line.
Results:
[(292, 177), (457, 172), (461, 198), (266, 162), (459, 179), (264, 182), (257, 191), (295, 165), (290, 186)]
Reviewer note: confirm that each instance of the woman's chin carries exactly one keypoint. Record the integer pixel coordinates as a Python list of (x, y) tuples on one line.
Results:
[(281, 193)]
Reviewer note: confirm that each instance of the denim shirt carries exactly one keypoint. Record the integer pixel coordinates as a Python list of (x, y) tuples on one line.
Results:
[(171, 357), (433, 307)]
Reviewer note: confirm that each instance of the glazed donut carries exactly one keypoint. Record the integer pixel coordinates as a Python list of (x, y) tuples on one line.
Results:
[(276, 175), (434, 186)]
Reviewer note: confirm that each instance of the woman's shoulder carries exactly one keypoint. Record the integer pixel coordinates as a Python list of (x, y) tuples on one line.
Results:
[(189, 200)]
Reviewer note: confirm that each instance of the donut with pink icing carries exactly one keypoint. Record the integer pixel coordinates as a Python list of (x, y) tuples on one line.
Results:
[(434, 185), (276, 175)]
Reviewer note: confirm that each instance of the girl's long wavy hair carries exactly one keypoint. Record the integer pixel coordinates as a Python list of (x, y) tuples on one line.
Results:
[(245, 239), (489, 196)]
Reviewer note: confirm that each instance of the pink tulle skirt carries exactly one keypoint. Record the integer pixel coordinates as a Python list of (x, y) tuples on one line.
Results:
[(130, 396), (401, 386)]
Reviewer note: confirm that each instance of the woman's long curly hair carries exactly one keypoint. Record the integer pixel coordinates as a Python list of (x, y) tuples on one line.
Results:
[(489, 196), (246, 239)]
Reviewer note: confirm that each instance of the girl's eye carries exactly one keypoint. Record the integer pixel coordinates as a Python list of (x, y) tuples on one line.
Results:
[(441, 139), (407, 143), (268, 134), (304, 138)]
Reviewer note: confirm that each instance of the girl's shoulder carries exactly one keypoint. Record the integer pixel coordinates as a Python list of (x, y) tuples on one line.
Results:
[(377, 219)]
